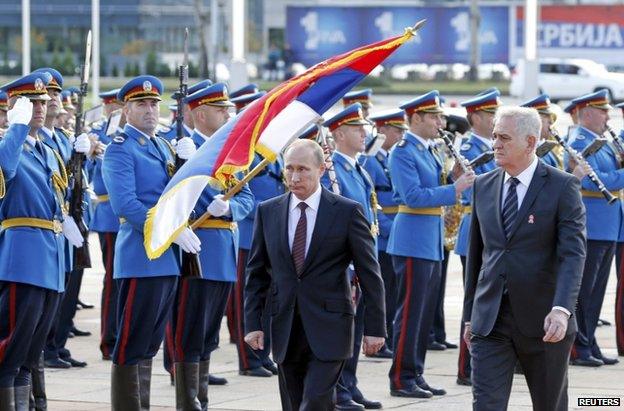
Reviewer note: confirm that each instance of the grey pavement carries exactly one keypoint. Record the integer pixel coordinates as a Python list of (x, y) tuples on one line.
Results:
[(89, 388)]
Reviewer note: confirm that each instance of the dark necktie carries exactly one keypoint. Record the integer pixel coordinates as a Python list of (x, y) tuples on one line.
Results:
[(299, 242), (510, 207)]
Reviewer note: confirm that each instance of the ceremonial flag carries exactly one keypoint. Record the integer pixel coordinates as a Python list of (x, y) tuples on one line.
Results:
[(266, 126)]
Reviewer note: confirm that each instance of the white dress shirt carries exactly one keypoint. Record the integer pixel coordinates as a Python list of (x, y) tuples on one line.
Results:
[(351, 160), (525, 178), (202, 135), (294, 212)]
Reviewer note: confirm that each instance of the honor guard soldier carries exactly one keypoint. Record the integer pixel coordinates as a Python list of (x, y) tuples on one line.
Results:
[(392, 125), (541, 103), (364, 98), (56, 355), (354, 183), (169, 133), (137, 167), (417, 241), (66, 118), (619, 294), (106, 224), (32, 247), (480, 115), (266, 185), (4, 106), (201, 301), (603, 224)]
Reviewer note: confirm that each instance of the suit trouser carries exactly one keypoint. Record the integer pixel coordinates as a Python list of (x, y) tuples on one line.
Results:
[(108, 313), (199, 311), (347, 389), (438, 330), (418, 282), (63, 323), (545, 366), (619, 299), (463, 362), (26, 313), (390, 280), (248, 358), (305, 382), (591, 295), (143, 306)]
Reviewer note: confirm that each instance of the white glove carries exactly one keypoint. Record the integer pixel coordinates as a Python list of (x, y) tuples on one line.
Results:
[(219, 207), (82, 144), (21, 113), (185, 148), (71, 232), (188, 241)]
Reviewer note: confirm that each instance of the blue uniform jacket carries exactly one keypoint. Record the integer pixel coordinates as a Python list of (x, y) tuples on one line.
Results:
[(470, 149), (219, 249), (377, 168), (135, 173), (27, 254), (603, 220), (551, 159), (171, 133), (264, 186), (416, 176), (104, 219), (621, 233)]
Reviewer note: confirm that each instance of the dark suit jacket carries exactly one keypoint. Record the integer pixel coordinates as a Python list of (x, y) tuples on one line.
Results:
[(322, 292), (542, 262)]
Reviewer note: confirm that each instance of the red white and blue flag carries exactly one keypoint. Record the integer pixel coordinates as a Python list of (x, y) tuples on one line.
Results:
[(266, 126)]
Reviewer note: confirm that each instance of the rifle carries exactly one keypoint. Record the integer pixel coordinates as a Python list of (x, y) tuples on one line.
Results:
[(82, 257), (191, 266)]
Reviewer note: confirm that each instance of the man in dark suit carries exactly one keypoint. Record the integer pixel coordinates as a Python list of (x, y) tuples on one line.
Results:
[(302, 245), (524, 268)]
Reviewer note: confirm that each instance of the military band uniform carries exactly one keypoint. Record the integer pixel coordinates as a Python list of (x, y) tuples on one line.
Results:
[(619, 268)]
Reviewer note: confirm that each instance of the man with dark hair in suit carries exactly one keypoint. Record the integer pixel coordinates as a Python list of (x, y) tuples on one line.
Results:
[(302, 245), (524, 268)]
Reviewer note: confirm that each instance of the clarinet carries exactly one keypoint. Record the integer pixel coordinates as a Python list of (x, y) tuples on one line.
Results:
[(454, 153), (617, 140), (578, 158)]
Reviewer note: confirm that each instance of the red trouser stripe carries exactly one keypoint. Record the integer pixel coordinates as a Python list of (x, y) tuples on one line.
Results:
[(404, 319), (238, 308), (229, 313), (125, 330), (108, 280), (12, 314), (619, 307), (169, 346), (180, 325)]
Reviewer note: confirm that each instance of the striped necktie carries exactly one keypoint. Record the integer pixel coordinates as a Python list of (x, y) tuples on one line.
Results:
[(299, 242), (510, 207)]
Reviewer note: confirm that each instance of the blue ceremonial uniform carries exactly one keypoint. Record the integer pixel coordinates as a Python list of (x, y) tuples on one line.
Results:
[(471, 149), (377, 168), (171, 133)]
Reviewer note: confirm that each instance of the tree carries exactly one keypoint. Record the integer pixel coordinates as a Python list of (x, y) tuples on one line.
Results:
[(151, 63), (115, 71), (68, 65)]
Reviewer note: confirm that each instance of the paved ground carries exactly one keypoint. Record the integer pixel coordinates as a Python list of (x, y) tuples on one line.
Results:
[(89, 388)]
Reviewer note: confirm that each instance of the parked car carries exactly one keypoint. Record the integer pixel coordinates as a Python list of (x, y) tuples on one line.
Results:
[(563, 79)]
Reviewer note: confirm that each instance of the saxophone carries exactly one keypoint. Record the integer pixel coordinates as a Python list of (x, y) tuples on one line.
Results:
[(452, 214)]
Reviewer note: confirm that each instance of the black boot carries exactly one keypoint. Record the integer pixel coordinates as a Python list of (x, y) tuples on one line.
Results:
[(187, 385), (22, 397), (39, 399), (7, 398), (204, 376), (145, 379), (125, 388)]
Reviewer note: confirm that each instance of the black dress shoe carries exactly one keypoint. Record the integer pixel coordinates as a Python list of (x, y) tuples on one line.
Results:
[(383, 353), (80, 333), (602, 322), (84, 305), (271, 367), (56, 363), (609, 361), (349, 405), (464, 381), (449, 345), (256, 372), (435, 391), (368, 404), (587, 362), (214, 380), (75, 363), (413, 392), (436, 346)]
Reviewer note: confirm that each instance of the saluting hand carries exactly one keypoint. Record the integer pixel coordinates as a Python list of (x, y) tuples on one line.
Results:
[(255, 340), (555, 326)]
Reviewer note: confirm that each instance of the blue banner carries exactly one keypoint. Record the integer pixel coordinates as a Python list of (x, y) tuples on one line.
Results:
[(317, 33)]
